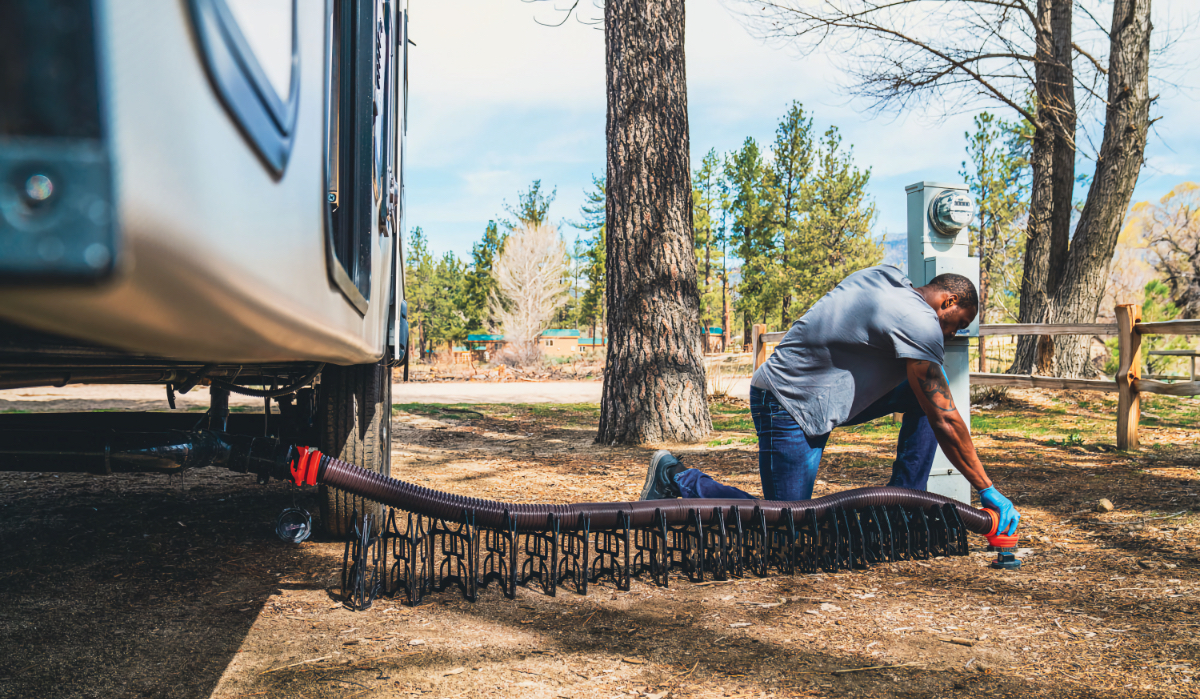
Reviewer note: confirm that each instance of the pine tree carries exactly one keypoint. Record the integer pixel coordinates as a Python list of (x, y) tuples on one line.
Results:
[(654, 381), (707, 204), (591, 305), (751, 231), (996, 177), (787, 184), (418, 287), (835, 239), (480, 282), (533, 207), (435, 293), (447, 321)]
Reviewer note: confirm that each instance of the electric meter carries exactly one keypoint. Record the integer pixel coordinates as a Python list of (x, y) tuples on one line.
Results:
[(950, 212)]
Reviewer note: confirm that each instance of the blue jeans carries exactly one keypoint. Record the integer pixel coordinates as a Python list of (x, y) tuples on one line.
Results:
[(788, 459)]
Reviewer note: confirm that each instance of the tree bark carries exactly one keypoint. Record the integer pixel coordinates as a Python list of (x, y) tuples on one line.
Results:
[(1122, 150), (654, 382), (1052, 160)]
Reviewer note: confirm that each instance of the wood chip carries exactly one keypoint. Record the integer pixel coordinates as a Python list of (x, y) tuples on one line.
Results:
[(957, 641), (302, 662), (873, 667), (633, 661), (455, 671)]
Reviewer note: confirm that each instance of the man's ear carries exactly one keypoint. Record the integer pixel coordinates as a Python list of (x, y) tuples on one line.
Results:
[(949, 301)]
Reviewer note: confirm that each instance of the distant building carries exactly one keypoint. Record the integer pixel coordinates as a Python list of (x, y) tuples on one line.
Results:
[(559, 343), (714, 340), (461, 355), (484, 346), (592, 344)]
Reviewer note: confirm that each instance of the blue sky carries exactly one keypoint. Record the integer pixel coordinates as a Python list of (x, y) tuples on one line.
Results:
[(497, 101)]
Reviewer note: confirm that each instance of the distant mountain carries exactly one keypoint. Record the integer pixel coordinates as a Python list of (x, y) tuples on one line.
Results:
[(895, 252)]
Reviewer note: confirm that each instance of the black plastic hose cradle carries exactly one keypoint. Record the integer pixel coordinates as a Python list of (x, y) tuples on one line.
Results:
[(429, 540)]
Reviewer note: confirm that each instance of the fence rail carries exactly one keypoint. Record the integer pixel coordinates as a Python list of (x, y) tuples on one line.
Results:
[(1047, 329), (1128, 384)]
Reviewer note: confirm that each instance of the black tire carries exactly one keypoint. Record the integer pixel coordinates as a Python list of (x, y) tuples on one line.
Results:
[(354, 418)]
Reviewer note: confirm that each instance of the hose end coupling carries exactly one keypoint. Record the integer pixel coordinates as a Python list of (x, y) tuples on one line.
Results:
[(1005, 545)]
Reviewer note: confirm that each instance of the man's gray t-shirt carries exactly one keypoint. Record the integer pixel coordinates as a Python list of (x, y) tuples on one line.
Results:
[(848, 351)]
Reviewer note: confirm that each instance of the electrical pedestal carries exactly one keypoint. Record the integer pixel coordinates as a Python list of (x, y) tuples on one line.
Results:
[(938, 243)]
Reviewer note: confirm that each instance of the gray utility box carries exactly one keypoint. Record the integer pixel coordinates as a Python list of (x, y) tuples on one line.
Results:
[(938, 243)]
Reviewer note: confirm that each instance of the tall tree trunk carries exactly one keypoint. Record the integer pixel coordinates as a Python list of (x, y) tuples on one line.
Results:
[(725, 310), (1127, 120), (785, 304), (654, 383), (1052, 160), (984, 283), (707, 276)]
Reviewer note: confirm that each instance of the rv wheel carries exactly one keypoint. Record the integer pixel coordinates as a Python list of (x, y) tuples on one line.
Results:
[(355, 422)]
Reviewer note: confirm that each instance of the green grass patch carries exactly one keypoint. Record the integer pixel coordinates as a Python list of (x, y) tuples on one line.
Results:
[(732, 440), (1074, 439), (883, 425), (733, 424), (564, 409)]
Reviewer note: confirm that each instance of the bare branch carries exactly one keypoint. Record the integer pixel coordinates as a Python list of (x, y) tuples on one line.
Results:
[(1088, 56), (1095, 21), (566, 14), (907, 50)]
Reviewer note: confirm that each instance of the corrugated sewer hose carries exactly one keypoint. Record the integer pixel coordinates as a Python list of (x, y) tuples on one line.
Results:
[(310, 466), (452, 540)]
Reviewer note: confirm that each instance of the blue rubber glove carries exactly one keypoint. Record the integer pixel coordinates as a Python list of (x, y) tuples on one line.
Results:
[(1009, 517)]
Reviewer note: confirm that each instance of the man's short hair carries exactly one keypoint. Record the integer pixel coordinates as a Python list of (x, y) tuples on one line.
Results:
[(960, 286)]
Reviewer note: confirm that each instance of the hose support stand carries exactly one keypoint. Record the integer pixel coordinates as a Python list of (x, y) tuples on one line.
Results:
[(428, 541)]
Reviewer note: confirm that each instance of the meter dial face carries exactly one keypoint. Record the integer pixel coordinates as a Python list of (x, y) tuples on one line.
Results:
[(951, 211)]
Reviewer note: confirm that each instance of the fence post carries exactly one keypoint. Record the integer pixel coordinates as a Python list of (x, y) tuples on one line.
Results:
[(1129, 363), (757, 345)]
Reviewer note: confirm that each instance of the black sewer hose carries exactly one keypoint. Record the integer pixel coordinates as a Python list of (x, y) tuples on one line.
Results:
[(603, 515)]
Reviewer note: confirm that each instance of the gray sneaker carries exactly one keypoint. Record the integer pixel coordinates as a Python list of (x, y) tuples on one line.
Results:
[(660, 477)]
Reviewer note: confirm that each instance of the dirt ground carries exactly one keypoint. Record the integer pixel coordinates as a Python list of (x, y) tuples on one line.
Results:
[(127, 586)]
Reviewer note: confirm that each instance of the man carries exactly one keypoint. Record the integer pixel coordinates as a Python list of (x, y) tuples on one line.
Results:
[(871, 347)]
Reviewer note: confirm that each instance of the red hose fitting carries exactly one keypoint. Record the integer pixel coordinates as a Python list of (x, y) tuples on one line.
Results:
[(305, 466), (1005, 545), (999, 541)]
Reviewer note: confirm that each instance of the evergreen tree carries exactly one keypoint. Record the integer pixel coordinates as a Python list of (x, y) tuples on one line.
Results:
[(419, 287), (591, 305), (751, 231), (707, 204), (435, 294), (447, 321), (533, 207), (788, 183), (480, 282), (996, 176), (835, 239)]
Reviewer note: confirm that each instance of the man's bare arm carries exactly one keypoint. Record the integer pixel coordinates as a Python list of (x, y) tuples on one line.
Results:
[(928, 381)]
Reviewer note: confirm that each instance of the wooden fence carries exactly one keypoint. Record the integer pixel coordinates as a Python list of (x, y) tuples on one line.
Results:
[(1128, 384)]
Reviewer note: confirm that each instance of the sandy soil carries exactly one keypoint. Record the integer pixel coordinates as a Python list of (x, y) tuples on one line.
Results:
[(156, 587)]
